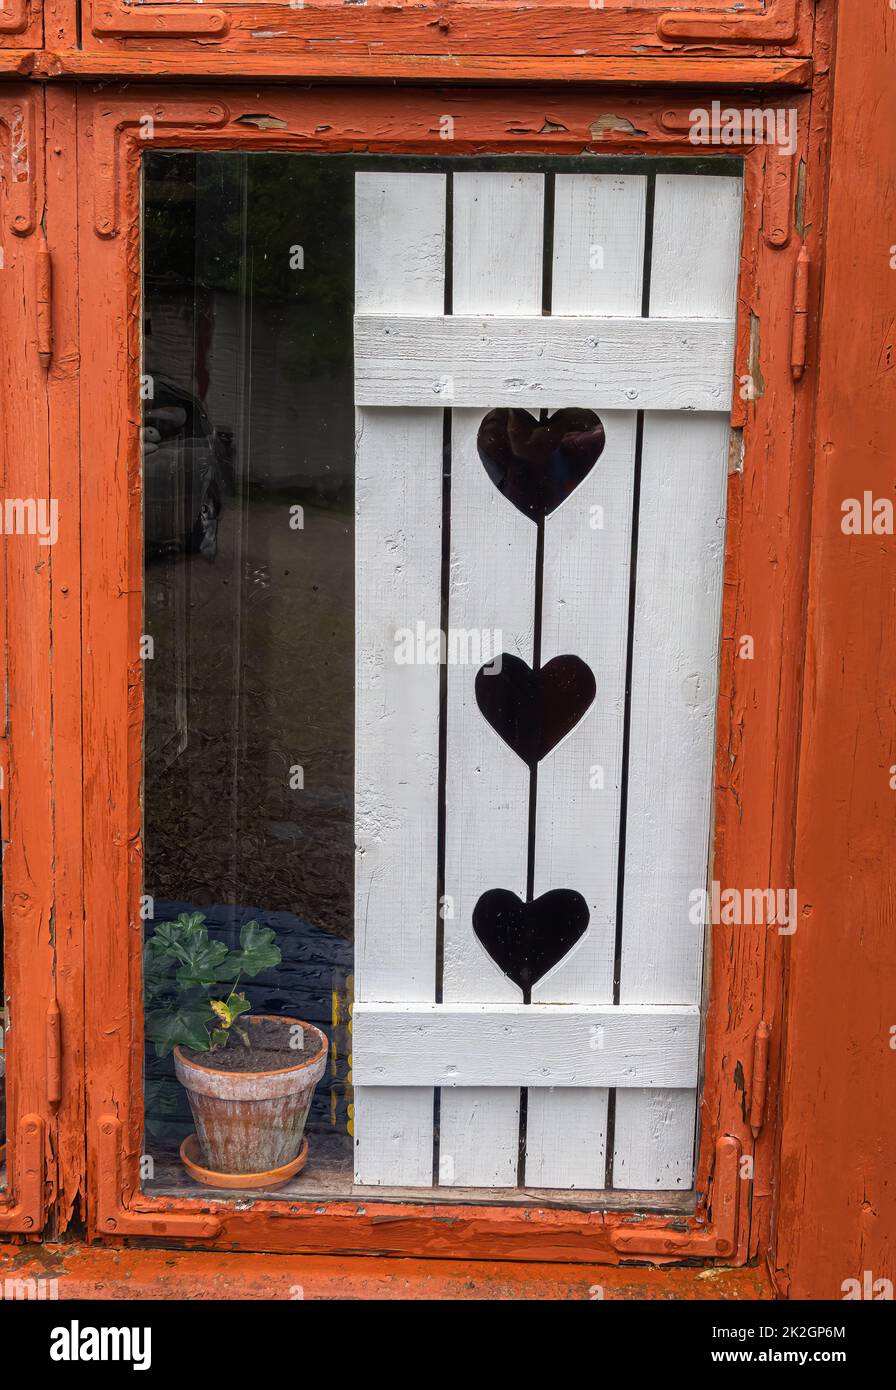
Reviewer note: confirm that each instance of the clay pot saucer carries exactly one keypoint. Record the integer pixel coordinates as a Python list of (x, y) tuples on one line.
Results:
[(191, 1154)]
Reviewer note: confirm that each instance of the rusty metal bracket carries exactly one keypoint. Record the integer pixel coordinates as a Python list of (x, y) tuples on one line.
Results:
[(800, 332), (759, 1080), (20, 171), (111, 131), (16, 17), (779, 24), (118, 19), (116, 1219), (54, 1017), (719, 1238), (29, 1182)]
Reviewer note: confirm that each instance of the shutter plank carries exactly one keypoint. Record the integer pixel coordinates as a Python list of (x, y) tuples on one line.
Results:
[(598, 258), (675, 672), (497, 269), (400, 240)]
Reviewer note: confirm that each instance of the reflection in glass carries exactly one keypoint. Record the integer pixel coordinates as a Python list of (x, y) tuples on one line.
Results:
[(248, 542)]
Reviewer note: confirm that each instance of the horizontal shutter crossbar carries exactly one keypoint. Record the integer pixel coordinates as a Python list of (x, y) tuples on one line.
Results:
[(418, 1044), (543, 362)]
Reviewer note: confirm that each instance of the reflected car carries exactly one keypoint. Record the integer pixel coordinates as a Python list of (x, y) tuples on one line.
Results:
[(184, 459)]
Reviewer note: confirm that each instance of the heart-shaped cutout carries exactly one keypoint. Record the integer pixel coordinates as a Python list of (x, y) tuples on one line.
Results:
[(533, 710), (537, 464), (525, 940)]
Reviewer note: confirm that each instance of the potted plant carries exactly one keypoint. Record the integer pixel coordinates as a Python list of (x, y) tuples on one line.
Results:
[(249, 1078)]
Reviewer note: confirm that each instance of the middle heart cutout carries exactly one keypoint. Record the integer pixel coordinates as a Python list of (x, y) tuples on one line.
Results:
[(526, 940), (537, 464), (533, 710)]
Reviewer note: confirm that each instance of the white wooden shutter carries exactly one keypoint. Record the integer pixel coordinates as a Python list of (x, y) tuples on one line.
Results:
[(661, 383)]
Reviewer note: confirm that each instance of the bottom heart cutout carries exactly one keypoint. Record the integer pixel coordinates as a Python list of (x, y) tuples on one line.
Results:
[(526, 939)]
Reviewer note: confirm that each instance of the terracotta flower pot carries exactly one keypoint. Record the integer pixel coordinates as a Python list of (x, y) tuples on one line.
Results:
[(253, 1121)]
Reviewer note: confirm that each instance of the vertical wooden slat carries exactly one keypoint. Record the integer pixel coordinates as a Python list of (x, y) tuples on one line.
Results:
[(497, 269), (681, 529), (598, 257), (400, 256)]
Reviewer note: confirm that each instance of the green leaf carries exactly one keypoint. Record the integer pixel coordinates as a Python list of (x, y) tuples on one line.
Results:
[(179, 1027), (182, 937), (157, 972), (237, 1004), (259, 948), (201, 962), (220, 1037)]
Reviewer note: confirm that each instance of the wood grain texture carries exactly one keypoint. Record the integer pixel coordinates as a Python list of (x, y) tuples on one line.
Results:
[(838, 1201), (459, 1045), (61, 220), (681, 529), (143, 63), (400, 265), (613, 363), (598, 253), (497, 240), (393, 1135), (92, 1272), (27, 681), (763, 595), (258, 31)]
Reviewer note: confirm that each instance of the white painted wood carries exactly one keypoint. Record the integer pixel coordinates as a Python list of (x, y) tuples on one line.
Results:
[(654, 1140), (393, 1136), (675, 671), (462, 1045), (598, 261), (479, 1134), (613, 363), (483, 1044), (400, 243), (598, 254), (566, 1138), (497, 238), (497, 269), (696, 246)]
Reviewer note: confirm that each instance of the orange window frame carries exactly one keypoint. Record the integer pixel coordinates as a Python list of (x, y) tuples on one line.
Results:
[(93, 229), (450, 38)]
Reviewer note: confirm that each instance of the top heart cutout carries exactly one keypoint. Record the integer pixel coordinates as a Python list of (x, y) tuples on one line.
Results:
[(538, 464)]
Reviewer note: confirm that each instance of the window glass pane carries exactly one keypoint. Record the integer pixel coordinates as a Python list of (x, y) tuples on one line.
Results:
[(419, 590)]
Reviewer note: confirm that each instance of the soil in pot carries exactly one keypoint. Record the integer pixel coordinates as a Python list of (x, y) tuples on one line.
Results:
[(250, 1103), (270, 1048)]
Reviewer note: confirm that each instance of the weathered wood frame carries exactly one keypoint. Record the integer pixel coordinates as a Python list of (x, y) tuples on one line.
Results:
[(454, 37), (40, 736), (766, 559)]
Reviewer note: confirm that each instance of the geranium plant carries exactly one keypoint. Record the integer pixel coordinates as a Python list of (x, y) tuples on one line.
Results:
[(183, 974)]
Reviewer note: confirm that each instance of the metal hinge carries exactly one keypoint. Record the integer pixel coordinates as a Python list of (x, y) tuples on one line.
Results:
[(115, 1218), (718, 1239), (120, 19), (759, 1082), (44, 302), (800, 334), (54, 1055), (777, 24), (29, 1173)]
